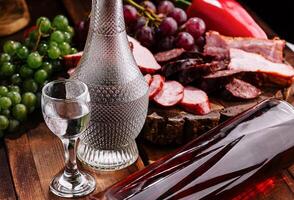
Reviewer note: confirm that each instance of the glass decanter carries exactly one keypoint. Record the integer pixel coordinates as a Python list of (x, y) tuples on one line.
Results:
[(118, 91)]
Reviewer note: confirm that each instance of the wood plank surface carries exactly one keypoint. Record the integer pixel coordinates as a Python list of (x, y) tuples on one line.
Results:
[(6, 188), (25, 176), (37, 156)]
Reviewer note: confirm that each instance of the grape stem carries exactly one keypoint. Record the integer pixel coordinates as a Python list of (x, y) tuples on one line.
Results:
[(186, 3), (147, 12), (38, 39), (38, 36)]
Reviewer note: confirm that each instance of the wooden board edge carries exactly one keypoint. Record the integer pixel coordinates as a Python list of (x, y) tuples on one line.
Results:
[(7, 190), (23, 169), (17, 24)]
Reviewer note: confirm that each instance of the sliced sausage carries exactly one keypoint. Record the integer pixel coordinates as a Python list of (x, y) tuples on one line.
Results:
[(144, 58), (166, 56), (195, 101), (241, 89), (170, 95), (155, 86)]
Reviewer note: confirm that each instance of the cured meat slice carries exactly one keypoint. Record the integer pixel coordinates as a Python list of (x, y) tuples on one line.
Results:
[(148, 78), (179, 65), (71, 61), (155, 86), (170, 95), (251, 62), (219, 46), (222, 73), (195, 101), (241, 89), (195, 72), (144, 58), (196, 65), (167, 56)]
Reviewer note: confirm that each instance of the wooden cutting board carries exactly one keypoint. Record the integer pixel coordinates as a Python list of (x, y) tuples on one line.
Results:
[(14, 15)]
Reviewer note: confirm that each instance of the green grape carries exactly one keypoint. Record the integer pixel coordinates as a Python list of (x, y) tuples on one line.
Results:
[(17, 45), (40, 76), (53, 44), (73, 50), (56, 65), (6, 112), (28, 43), (5, 57), (54, 52), (14, 88), (60, 22), (70, 30), (67, 37), (3, 90), (47, 67), (33, 36), (19, 111), (34, 60), (25, 72), (44, 24), (22, 52), (13, 125), (4, 123), (10, 47), (57, 36), (5, 102), (29, 99), (7, 69), (64, 48), (43, 49), (30, 85), (14, 97), (15, 79)]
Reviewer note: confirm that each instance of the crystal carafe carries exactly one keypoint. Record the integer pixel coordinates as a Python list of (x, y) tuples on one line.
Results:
[(118, 91)]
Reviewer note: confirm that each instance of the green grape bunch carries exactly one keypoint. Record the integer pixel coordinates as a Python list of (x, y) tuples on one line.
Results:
[(25, 67)]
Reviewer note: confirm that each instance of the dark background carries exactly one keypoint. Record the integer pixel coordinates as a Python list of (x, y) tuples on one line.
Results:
[(278, 14)]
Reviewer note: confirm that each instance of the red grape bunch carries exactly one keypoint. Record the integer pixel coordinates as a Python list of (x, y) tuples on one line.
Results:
[(163, 26)]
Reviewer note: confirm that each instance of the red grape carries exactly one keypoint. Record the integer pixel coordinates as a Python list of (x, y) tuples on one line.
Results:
[(168, 26), (130, 14), (179, 15), (165, 7), (185, 40), (145, 35), (195, 26), (141, 21), (166, 43), (200, 42), (149, 5), (81, 32)]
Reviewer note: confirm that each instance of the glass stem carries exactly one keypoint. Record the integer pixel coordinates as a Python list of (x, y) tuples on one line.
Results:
[(71, 168)]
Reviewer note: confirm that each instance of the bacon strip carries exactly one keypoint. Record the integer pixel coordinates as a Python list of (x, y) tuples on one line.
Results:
[(252, 62), (218, 45)]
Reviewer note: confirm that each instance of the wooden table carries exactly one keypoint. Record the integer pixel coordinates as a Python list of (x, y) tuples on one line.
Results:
[(29, 161)]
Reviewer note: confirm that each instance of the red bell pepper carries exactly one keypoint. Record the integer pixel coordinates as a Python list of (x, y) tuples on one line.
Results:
[(227, 17)]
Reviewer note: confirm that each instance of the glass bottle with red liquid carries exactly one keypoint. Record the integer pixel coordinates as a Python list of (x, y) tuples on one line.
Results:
[(222, 163)]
